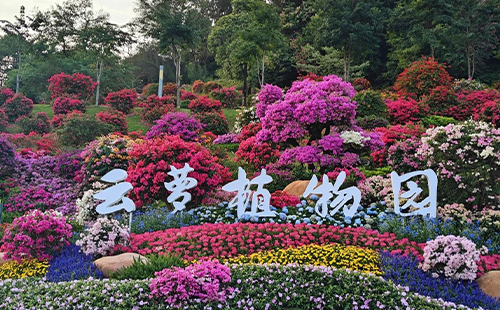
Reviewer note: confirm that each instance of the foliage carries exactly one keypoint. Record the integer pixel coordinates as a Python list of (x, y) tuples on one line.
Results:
[(22, 269), (147, 269), (4, 120), (65, 105), (101, 237), (17, 106), (436, 120), (245, 117), (149, 89), (37, 235), (154, 218), (151, 160), (205, 281), (79, 129), (198, 87), (361, 84), (38, 123), (123, 100), (256, 154), (332, 255), (372, 122), (71, 265), (403, 111), (64, 85), (451, 256), (214, 122), (115, 118), (370, 103), (422, 76), (181, 124)]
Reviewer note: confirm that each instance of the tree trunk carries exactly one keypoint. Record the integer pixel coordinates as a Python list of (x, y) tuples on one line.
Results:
[(263, 64), (245, 87), (178, 80), (18, 72), (99, 72)]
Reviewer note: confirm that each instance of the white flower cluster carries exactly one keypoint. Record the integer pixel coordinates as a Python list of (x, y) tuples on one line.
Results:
[(354, 138), (101, 237), (246, 115), (86, 208)]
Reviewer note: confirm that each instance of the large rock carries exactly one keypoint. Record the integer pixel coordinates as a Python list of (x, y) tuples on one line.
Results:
[(110, 264), (2, 261), (297, 188), (490, 283)]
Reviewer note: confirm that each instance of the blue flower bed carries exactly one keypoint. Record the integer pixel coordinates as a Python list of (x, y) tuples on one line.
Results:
[(403, 270), (71, 264)]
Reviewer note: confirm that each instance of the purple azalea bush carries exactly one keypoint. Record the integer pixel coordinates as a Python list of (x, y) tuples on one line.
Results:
[(182, 124), (227, 138)]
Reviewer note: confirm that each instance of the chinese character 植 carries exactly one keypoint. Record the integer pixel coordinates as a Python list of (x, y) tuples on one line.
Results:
[(413, 192), (261, 198), (114, 194), (327, 190), (180, 183)]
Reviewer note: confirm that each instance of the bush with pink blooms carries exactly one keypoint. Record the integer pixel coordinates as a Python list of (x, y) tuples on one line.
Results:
[(179, 123), (37, 235), (114, 118), (77, 85), (102, 236), (123, 100), (65, 105), (255, 154), (452, 257), (5, 93), (403, 110), (17, 106), (155, 107), (228, 96), (204, 104), (206, 281)]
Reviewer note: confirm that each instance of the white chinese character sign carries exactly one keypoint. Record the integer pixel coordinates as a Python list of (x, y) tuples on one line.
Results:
[(327, 191), (115, 194), (261, 198), (178, 186), (427, 206)]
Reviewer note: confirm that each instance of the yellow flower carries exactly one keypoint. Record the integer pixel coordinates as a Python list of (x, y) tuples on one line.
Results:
[(27, 268)]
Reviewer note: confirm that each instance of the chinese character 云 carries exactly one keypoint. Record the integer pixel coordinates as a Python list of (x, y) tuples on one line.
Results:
[(180, 183), (413, 192), (327, 190), (114, 194)]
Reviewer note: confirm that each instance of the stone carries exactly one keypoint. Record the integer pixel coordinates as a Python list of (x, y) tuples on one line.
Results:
[(490, 283), (110, 264), (2, 261), (297, 188)]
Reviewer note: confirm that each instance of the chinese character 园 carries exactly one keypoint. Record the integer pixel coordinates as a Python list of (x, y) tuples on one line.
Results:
[(413, 192)]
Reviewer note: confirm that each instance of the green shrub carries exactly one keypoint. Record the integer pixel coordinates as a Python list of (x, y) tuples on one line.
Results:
[(215, 122), (382, 171), (185, 104), (370, 103), (437, 120), (38, 123), (145, 270), (79, 129), (372, 122)]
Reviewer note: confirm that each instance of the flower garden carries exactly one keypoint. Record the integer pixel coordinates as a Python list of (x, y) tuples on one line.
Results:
[(52, 238)]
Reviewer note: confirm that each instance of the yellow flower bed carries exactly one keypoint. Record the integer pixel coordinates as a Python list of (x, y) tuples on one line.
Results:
[(332, 255), (27, 268)]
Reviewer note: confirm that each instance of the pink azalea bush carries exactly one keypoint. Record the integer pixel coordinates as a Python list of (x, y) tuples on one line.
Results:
[(65, 105), (451, 256), (37, 235), (101, 237), (181, 124), (204, 282), (123, 100), (78, 85), (17, 106)]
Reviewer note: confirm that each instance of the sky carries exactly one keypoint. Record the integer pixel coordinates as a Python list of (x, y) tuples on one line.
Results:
[(121, 11)]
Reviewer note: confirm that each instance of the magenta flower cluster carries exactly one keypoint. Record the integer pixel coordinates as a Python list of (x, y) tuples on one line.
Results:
[(181, 124), (203, 282), (268, 95), (37, 235)]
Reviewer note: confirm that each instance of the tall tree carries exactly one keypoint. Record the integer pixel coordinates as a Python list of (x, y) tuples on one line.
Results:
[(177, 25)]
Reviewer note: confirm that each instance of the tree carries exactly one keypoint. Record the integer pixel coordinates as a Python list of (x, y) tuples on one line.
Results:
[(177, 25), (348, 25), (246, 37)]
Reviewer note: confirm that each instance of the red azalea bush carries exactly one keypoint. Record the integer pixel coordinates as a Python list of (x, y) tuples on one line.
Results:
[(115, 118), (489, 112), (151, 160), (248, 131), (65, 105), (155, 107), (214, 122), (123, 100), (5, 93), (198, 87), (203, 104), (35, 142), (4, 120), (17, 106), (406, 110), (280, 199), (440, 100), (400, 132), (360, 84), (470, 102), (185, 95), (169, 89), (38, 123), (37, 235), (230, 240), (420, 77), (256, 154), (228, 96), (76, 85)]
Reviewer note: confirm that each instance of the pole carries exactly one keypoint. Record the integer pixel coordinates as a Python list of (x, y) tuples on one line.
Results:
[(160, 83)]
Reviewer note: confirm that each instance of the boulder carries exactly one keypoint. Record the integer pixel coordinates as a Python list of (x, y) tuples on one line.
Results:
[(490, 283), (2, 261), (110, 264), (297, 188)]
